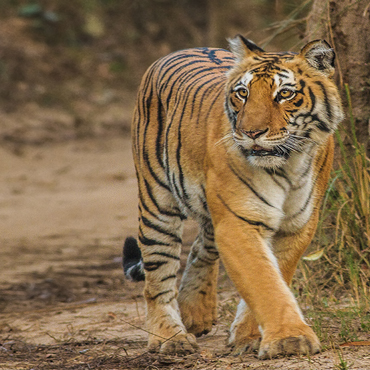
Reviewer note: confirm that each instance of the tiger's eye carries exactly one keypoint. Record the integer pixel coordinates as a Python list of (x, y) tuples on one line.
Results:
[(286, 94), (242, 93)]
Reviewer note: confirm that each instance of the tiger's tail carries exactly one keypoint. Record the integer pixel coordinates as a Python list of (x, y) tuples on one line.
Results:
[(133, 266)]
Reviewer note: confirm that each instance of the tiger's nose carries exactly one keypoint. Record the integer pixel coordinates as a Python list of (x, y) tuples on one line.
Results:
[(254, 134)]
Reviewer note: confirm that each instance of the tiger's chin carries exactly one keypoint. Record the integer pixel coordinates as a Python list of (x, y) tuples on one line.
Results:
[(264, 158)]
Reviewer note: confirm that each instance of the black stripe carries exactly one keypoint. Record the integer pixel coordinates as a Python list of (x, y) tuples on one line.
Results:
[(283, 75), (312, 189), (176, 188), (305, 173), (281, 173), (249, 186), (209, 236), (172, 298), (186, 74), (170, 63), (210, 89), (151, 196), (326, 99), (163, 254), (272, 173), (211, 250), (208, 261), (152, 266), (146, 158), (298, 103), (322, 165), (141, 111), (154, 175), (216, 97), (192, 79), (204, 204), (307, 202), (291, 111), (146, 208), (321, 125), (159, 139), (178, 156), (149, 242), (157, 228), (313, 99), (251, 222), (159, 294), (212, 80), (168, 277), (199, 54)]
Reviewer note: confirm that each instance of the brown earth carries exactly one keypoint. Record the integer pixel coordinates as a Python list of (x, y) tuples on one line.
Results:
[(65, 210)]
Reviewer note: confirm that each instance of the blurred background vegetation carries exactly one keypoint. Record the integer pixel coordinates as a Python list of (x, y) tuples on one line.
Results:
[(71, 68), (112, 42)]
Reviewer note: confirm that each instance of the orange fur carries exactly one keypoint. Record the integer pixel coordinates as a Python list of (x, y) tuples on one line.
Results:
[(242, 143)]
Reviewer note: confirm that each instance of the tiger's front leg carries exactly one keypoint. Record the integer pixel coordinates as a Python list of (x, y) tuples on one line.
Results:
[(243, 244), (198, 289), (160, 243), (245, 336)]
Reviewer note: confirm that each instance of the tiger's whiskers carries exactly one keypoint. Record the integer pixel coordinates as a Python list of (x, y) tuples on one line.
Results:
[(224, 139)]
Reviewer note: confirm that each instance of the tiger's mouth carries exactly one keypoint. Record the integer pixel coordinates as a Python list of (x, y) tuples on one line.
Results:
[(259, 151)]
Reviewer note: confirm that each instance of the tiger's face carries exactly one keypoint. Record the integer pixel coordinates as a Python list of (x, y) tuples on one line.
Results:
[(279, 104)]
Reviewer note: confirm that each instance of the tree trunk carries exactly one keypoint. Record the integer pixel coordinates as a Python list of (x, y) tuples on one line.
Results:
[(345, 25)]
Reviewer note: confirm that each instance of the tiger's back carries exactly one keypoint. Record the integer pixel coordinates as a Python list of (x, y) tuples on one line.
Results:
[(242, 142)]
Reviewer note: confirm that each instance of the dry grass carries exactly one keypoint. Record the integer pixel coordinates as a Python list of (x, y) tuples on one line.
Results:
[(334, 284)]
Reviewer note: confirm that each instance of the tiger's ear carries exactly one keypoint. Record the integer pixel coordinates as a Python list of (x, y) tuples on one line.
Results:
[(243, 48), (319, 55)]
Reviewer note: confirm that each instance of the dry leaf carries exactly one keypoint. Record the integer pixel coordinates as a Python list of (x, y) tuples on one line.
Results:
[(314, 256)]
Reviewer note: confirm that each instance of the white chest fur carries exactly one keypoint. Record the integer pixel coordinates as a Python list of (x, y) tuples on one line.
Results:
[(290, 191)]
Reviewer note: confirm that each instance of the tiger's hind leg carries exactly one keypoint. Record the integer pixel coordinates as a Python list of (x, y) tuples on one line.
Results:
[(244, 333), (198, 289), (160, 242)]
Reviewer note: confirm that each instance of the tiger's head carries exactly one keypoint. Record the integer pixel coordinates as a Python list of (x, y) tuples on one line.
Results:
[(281, 103)]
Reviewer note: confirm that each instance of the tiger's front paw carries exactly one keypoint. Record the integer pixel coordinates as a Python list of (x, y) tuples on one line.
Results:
[(181, 344), (305, 343)]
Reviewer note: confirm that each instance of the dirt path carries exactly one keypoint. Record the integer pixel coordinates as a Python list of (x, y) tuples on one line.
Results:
[(65, 210)]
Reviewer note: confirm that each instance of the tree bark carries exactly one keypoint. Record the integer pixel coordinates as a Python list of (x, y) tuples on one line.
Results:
[(345, 25)]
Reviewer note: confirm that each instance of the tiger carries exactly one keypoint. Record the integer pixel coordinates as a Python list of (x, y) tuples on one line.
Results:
[(241, 141)]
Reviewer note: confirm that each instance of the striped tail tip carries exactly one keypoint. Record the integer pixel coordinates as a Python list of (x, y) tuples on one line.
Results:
[(132, 262)]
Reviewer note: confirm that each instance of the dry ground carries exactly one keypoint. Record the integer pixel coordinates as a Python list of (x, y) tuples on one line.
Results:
[(65, 210)]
